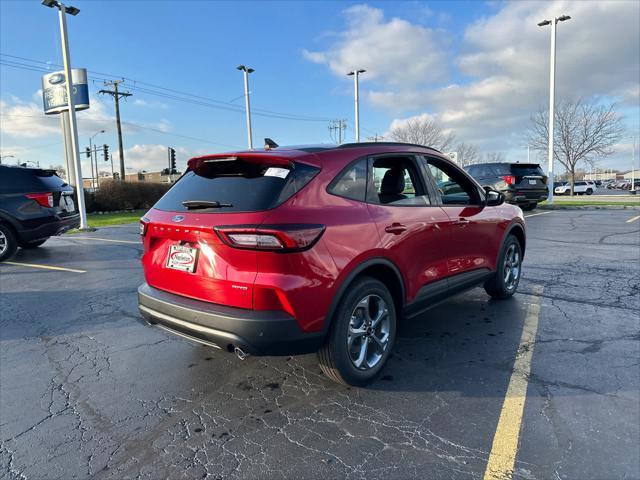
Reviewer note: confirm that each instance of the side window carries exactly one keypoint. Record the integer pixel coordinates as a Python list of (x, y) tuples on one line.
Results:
[(396, 181), (352, 182), (454, 187)]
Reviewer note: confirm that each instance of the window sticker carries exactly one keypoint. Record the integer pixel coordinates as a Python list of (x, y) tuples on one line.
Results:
[(276, 172)]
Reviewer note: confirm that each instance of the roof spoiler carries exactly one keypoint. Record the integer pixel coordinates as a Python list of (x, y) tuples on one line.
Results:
[(252, 157)]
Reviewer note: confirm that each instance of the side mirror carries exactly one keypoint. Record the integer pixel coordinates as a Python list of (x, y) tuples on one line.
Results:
[(493, 197)]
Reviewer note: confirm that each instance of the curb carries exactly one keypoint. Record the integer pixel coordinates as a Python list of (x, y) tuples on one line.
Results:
[(588, 207)]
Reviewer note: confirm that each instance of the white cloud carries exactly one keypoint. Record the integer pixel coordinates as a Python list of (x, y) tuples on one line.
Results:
[(153, 157), (504, 62), (393, 51)]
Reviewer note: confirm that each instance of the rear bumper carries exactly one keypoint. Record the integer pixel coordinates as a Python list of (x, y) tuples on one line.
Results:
[(255, 332), (50, 227), (526, 196)]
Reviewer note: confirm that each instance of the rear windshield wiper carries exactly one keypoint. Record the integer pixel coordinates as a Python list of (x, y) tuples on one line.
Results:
[(197, 204)]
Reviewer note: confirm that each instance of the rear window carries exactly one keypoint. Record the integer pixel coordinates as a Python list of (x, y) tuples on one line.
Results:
[(238, 185), (28, 180), (520, 170)]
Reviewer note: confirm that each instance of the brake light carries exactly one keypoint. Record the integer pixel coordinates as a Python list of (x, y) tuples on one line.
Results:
[(144, 224), (277, 238), (509, 179), (44, 199)]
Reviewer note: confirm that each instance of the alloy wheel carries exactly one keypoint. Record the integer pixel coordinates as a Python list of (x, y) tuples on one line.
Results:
[(368, 336), (511, 267)]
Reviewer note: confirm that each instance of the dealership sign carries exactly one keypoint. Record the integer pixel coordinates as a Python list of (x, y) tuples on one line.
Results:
[(54, 91)]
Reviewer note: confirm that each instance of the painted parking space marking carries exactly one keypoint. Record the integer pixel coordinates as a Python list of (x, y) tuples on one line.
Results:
[(45, 267), (536, 214), (71, 237), (633, 219), (505, 441)]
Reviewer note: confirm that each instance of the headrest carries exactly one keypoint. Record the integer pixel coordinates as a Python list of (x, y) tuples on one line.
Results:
[(393, 181)]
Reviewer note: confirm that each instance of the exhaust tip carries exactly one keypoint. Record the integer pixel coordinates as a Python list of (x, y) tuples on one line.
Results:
[(241, 354)]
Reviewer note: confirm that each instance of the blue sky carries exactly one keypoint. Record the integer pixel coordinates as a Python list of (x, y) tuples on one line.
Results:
[(478, 68)]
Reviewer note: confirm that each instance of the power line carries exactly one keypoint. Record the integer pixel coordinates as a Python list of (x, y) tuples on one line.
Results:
[(132, 124), (173, 94)]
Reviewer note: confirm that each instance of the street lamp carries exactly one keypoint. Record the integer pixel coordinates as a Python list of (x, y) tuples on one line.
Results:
[(356, 75), (96, 185), (552, 87), (66, 60), (245, 72)]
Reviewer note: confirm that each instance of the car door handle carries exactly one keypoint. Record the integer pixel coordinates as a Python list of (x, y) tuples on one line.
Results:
[(462, 222), (395, 228)]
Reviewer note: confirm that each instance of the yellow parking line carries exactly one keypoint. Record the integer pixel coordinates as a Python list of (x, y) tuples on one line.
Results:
[(505, 441), (633, 219), (535, 214), (46, 267), (102, 239)]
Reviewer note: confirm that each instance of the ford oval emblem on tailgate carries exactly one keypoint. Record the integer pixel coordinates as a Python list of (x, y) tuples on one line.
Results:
[(177, 218)]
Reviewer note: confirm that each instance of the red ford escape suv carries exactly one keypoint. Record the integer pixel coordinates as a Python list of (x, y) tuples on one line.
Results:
[(294, 250)]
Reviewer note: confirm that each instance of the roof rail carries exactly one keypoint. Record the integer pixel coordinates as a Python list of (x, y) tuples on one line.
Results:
[(385, 144)]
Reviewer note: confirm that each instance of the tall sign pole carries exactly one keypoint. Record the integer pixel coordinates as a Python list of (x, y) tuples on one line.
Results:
[(75, 154)]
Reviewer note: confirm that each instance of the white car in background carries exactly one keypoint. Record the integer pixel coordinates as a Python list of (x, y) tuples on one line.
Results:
[(580, 188)]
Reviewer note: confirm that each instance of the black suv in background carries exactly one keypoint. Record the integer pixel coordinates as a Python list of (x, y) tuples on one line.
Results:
[(523, 184), (35, 204)]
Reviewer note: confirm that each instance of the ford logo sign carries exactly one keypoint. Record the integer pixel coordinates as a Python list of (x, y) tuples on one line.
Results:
[(177, 218), (56, 78)]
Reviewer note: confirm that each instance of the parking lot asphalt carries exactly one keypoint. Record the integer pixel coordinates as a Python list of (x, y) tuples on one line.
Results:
[(86, 391)]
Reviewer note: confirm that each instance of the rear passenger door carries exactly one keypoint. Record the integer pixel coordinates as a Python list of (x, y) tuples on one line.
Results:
[(472, 229), (411, 229)]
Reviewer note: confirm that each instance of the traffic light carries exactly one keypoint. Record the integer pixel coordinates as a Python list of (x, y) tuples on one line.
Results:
[(172, 160), (88, 152), (105, 152)]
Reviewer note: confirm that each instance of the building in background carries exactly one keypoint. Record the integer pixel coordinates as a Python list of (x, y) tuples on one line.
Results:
[(151, 177)]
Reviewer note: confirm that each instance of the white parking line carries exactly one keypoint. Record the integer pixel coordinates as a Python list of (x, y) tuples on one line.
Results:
[(71, 237), (536, 214), (633, 219), (45, 267)]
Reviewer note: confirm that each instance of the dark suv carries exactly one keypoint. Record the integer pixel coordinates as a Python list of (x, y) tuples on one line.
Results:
[(523, 184), (35, 204), (304, 249)]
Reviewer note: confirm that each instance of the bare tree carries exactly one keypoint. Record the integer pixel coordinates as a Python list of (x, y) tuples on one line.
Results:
[(583, 132), (494, 157), (423, 131), (61, 171), (467, 154)]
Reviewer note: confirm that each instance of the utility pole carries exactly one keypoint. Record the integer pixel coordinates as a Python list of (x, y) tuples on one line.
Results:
[(356, 95), (337, 127), (116, 95)]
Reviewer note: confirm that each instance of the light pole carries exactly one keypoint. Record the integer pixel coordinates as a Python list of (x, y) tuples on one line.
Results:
[(66, 60), (552, 87), (247, 105), (96, 185), (356, 91)]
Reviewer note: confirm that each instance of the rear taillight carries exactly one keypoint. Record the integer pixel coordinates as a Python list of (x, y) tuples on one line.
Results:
[(509, 179), (44, 199), (144, 223), (277, 238)]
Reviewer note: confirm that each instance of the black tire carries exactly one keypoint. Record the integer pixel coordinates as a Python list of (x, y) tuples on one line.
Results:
[(34, 244), (497, 286), (528, 207), (589, 191), (8, 243), (335, 356)]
